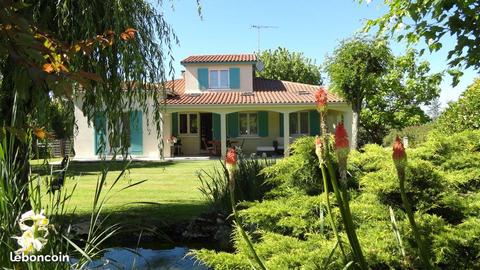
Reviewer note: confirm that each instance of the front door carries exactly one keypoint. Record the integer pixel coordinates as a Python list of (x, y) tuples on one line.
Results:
[(205, 129)]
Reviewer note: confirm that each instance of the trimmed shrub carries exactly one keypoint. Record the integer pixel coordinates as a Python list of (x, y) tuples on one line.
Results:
[(443, 175)]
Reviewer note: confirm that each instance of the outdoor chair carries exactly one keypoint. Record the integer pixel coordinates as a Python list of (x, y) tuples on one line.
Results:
[(58, 176), (208, 146)]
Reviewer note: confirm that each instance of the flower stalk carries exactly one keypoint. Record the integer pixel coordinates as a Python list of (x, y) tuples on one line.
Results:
[(340, 191), (400, 160), (231, 165), (320, 151)]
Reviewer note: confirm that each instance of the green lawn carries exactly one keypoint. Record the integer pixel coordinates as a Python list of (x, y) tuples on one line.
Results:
[(173, 187)]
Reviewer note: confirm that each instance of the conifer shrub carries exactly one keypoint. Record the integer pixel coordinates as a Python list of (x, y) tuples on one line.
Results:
[(442, 181)]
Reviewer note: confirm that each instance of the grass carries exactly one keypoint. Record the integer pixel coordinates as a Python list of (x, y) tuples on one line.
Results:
[(169, 195)]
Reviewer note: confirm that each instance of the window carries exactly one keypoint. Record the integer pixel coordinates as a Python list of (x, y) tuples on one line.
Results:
[(299, 123), (219, 79), (193, 123), (188, 123), (248, 124), (121, 126)]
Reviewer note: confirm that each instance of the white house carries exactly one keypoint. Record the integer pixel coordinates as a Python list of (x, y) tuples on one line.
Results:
[(219, 102)]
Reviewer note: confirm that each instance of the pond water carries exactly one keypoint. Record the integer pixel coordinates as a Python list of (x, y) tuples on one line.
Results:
[(143, 258)]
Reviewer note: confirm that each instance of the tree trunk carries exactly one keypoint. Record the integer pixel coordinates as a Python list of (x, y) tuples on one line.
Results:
[(355, 122)]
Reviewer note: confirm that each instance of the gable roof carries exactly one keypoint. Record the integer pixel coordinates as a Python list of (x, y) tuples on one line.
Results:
[(227, 58), (265, 91)]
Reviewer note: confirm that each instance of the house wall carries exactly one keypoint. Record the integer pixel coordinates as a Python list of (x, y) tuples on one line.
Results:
[(84, 139), (191, 78), (191, 143)]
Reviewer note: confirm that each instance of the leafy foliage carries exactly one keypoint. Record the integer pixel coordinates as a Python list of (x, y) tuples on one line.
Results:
[(299, 171), (282, 64), (120, 45), (354, 70), (250, 184), (385, 94), (463, 114), (430, 21), (416, 135), (402, 91)]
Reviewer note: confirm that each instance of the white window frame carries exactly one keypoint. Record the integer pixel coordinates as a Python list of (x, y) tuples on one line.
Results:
[(298, 127), (249, 134), (210, 85), (188, 123)]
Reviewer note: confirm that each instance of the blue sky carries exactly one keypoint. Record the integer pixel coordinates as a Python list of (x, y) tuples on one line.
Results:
[(312, 27)]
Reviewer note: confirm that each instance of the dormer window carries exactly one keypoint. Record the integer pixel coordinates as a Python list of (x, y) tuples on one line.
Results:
[(219, 79)]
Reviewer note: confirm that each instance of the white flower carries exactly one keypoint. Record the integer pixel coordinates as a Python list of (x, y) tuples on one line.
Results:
[(29, 243), (33, 237), (368, 1), (38, 219)]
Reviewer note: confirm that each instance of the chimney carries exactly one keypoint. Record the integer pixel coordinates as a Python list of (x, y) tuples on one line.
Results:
[(183, 74)]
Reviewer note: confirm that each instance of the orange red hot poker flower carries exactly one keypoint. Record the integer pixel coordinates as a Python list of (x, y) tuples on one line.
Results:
[(399, 155), (341, 137), (398, 150), (231, 159), (321, 99)]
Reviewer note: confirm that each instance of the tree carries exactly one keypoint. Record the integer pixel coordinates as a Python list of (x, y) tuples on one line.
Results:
[(113, 53), (434, 110), (354, 70), (429, 21), (401, 92), (282, 64), (463, 114)]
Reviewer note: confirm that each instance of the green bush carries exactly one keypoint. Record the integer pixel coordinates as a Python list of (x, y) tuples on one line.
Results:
[(463, 114), (250, 184), (292, 231), (299, 170), (297, 215)]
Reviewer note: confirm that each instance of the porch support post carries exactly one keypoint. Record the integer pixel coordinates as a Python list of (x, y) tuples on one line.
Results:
[(223, 134), (286, 134), (347, 122)]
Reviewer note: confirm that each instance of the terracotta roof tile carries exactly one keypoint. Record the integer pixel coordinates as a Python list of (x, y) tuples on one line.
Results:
[(219, 58), (265, 91)]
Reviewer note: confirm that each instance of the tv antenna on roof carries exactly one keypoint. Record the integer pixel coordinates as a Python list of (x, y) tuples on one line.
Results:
[(258, 27)]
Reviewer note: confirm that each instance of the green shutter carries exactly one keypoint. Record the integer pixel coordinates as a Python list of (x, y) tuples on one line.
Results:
[(232, 125), (263, 124), (280, 123), (234, 78), (216, 126), (100, 127), (202, 74), (136, 133), (314, 123), (174, 124)]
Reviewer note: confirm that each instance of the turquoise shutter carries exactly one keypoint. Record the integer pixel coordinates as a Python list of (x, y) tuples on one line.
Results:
[(232, 125), (136, 133), (216, 126), (202, 74), (100, 127), (280, 123), (263, 124), (234, 78), (174, 124), (314, 123)]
